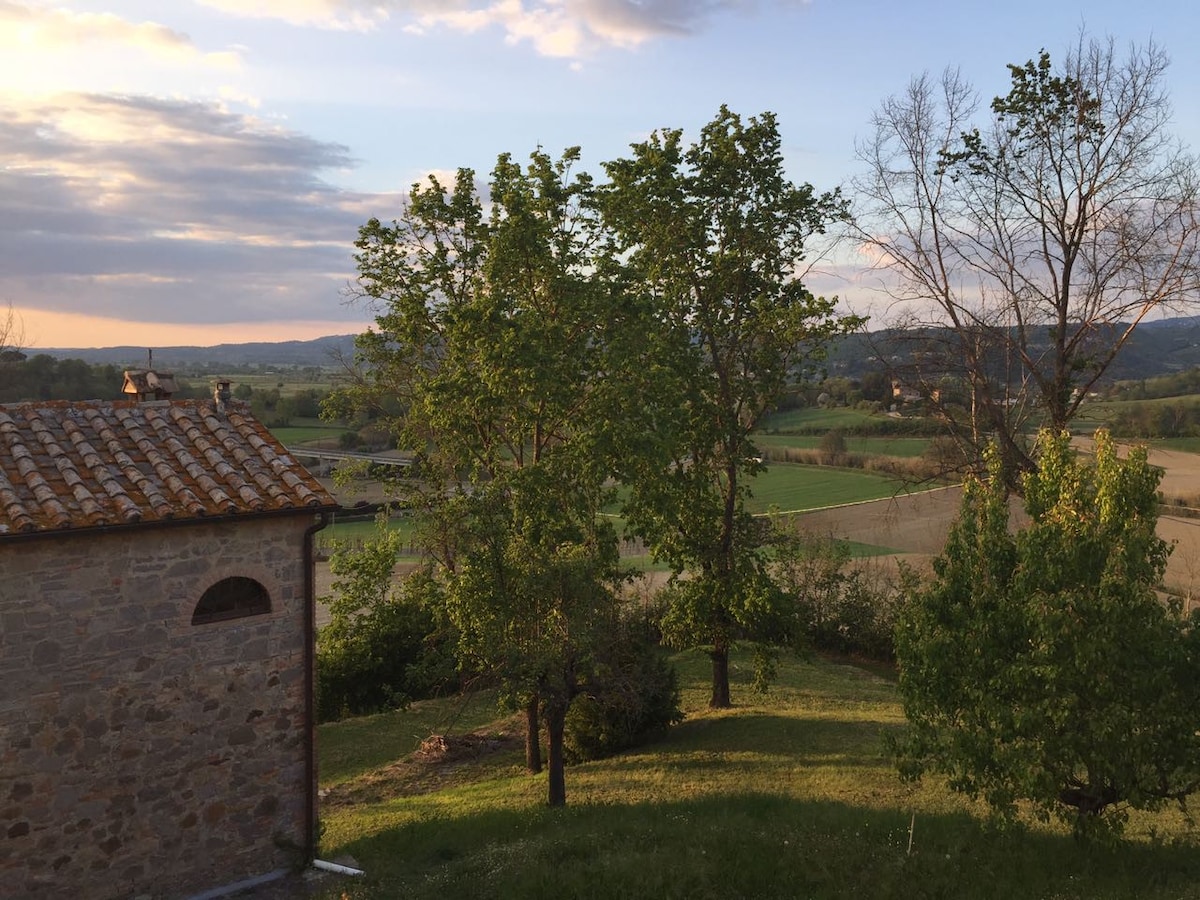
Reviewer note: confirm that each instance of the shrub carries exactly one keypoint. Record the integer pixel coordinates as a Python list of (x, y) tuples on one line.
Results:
[(636, 698), (833, 447), (842, 608), (384, 645)]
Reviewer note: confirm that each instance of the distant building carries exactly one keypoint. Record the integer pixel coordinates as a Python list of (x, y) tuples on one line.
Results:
[(156, 648)]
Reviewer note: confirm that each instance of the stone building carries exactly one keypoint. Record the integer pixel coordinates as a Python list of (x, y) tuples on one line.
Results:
[(156, 649)]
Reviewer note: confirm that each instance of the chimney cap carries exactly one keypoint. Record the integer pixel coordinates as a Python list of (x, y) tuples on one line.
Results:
[(148, 384)]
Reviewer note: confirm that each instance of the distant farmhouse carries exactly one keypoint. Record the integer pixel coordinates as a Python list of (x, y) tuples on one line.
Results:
[(156, 647)]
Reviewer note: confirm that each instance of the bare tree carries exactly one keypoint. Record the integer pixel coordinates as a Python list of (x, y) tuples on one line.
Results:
[(1022, 252), (12, 335)]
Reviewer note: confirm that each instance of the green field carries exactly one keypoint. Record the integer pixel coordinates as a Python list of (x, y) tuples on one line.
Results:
[(906, 447), (787, 795), (1095, 413), (285, 381), (790, 487), (298, 435), (1183, 444), (781, 487), (817, 419)]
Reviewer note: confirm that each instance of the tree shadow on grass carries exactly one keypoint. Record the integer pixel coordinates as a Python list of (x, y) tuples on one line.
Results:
[(751, 845), (806, 739)]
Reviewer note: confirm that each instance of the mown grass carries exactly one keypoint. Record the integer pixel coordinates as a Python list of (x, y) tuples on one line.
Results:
[(792, 487), (1095, 413), (786, 795), (354, 746), (1182, 444)]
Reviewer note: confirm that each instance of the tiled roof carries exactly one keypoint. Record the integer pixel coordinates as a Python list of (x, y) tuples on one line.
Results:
[(67, 465)]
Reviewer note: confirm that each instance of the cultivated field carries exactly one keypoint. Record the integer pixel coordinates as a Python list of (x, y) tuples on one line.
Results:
[(916, 524)]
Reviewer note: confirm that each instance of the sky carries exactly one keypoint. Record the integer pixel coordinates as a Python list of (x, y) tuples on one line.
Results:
[(195, 171)]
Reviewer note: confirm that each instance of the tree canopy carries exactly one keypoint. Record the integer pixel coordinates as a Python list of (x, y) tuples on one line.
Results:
[(713, 237), (489, 360), (1024, 249), (1041, 665)]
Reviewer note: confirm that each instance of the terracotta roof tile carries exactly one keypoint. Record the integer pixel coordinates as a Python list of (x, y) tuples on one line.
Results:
[(91, 464)]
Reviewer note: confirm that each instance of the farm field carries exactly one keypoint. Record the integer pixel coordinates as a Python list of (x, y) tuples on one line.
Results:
[(790, 487), (297, 435), (814, 419), (906, 447), (914, 525), (788, 794)]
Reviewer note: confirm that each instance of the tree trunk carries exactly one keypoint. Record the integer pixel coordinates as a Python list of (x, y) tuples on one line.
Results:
[(556, 720), (720, 678), (533, 742)]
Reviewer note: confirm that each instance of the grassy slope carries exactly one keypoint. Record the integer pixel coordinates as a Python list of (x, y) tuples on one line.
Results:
[(788, 795)]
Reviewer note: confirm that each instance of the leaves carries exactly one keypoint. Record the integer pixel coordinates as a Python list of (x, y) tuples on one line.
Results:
[(1041, 665), (713, 236)]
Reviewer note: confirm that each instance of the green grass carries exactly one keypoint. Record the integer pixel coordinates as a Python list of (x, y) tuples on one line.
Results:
[(1095, 413), (816, 418), (361, 529), (287, 382), (786, 795), (791, 487), (1183, 444), (355, 746), (295, 435), (906, 447)]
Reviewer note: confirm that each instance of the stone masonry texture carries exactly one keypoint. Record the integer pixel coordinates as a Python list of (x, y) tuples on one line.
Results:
[(142, 756)]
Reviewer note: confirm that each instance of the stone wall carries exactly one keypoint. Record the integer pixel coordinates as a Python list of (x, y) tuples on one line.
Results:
[(141, 755)]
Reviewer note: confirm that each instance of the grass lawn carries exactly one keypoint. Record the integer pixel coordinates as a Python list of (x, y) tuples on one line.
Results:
[(907, 447), (786, 795)]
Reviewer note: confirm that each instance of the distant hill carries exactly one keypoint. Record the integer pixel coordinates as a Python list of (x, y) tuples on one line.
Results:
[(321, 352), (1161, 347), (1157, 348)]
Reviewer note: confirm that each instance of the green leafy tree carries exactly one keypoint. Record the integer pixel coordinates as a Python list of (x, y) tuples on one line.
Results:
[(1041, 665), (711, 238), (383, 646), (1025, 246), (490, 359)]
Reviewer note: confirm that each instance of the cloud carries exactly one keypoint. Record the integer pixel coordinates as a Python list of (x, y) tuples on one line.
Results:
[(102, 50), (556, 28), (172, 211), (341, 15), (24, 24)]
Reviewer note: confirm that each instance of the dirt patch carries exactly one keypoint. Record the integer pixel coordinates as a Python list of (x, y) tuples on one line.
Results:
[(441, 760), (906, 523)]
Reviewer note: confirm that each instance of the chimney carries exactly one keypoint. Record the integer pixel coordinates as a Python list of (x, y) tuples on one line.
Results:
[(221, 395), (148, 386)]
